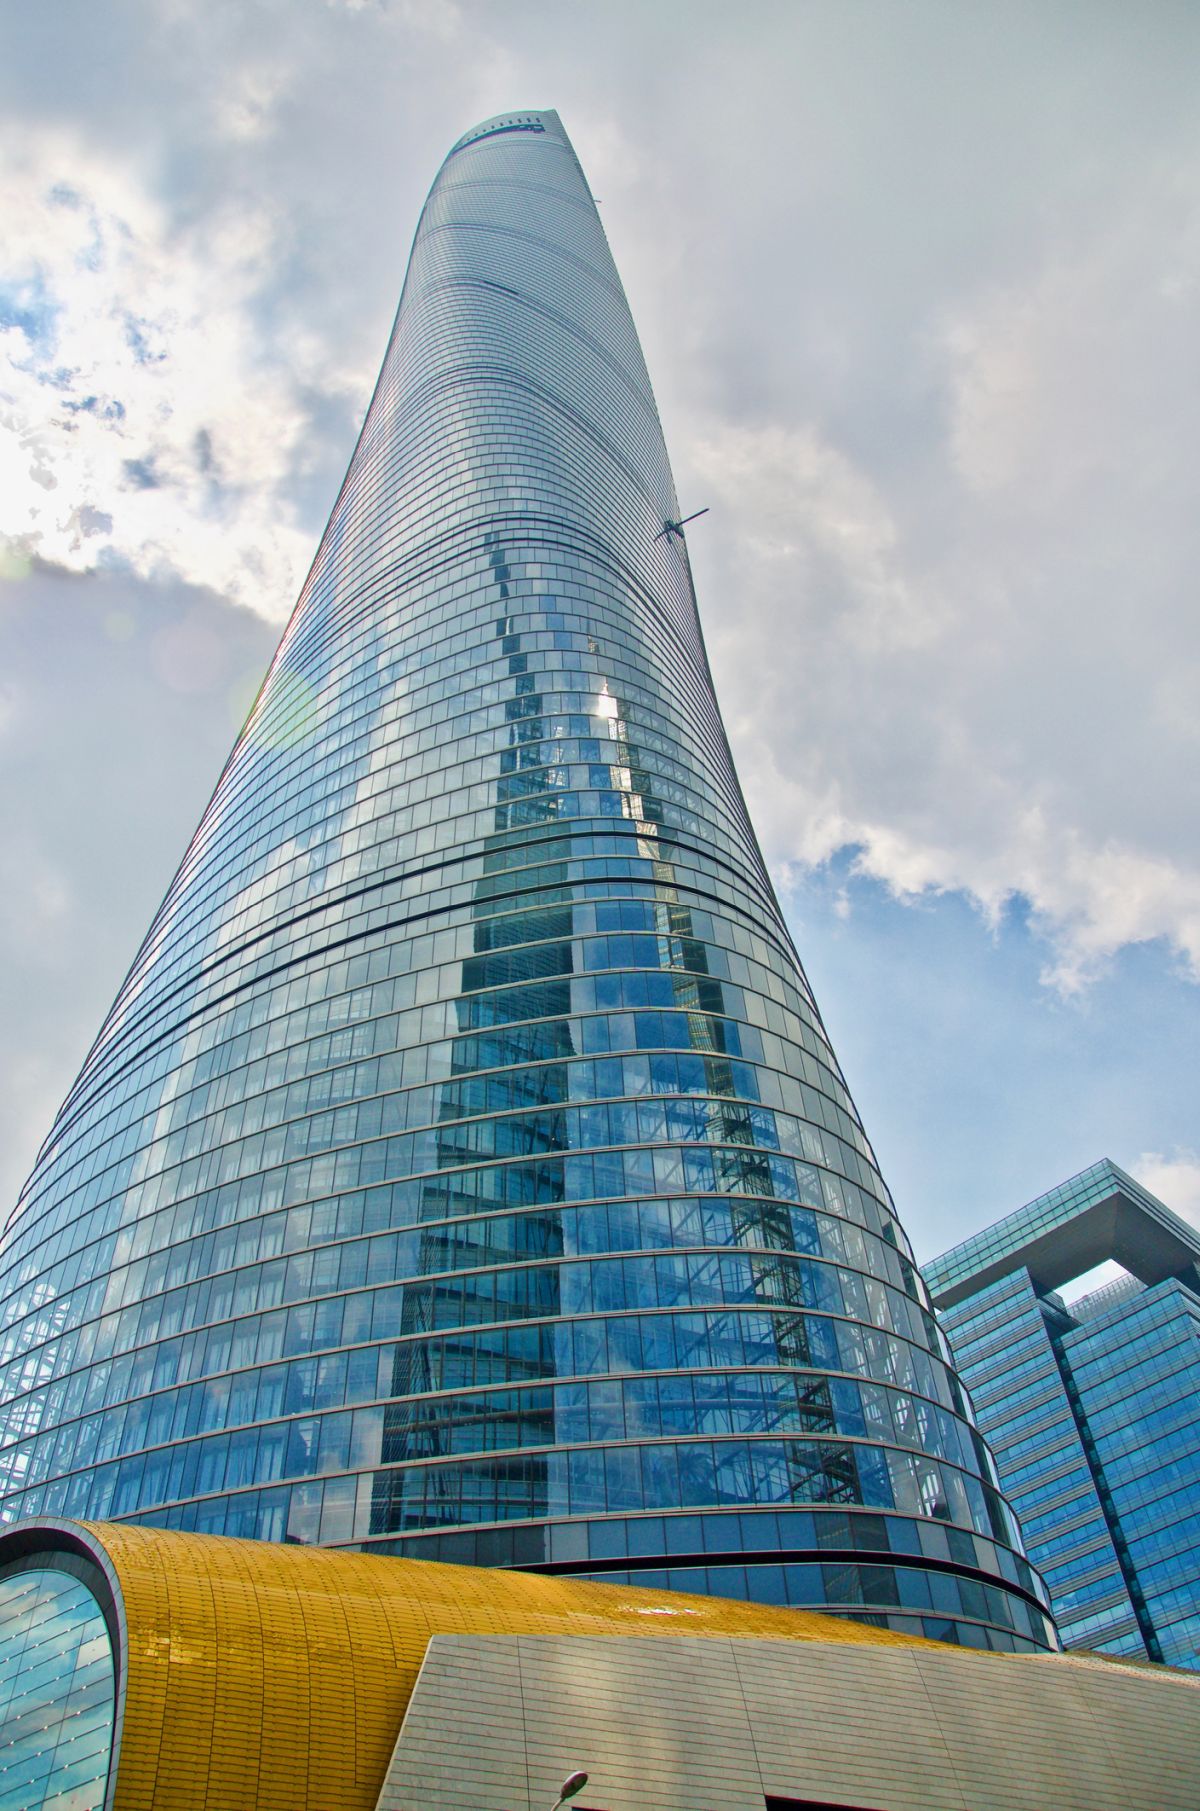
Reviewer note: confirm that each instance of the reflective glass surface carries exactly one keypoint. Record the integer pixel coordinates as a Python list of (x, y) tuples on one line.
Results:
[(56, 1693), (1001, 1244), (464, 1167), (1003, 1339), (1135, 1371), (1092, 1411)]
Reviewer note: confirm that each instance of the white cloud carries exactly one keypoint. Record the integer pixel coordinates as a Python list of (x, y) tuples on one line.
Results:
[(245, 102), (917, 293), (952, 621), (146, 418), (1065, 383), (441, 19), (981, 674), (36, 903), (1175, 1180)]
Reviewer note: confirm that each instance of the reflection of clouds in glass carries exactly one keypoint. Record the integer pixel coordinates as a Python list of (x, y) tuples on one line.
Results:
[(293, 715), (620, 772), (57, 1714)]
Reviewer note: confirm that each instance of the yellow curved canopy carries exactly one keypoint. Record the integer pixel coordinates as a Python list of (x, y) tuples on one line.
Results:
[(275, 1678)]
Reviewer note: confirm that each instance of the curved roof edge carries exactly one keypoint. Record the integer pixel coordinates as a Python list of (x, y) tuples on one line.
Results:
[(531, 119)]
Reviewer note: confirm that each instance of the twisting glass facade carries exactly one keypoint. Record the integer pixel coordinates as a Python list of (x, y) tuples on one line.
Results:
[(463, 1169)]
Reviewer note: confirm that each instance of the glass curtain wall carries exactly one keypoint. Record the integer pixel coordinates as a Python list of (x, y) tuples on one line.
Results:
[(464, 1169), (57, 1703)]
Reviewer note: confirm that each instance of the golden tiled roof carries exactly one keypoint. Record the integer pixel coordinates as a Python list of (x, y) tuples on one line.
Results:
[(275, 1678)]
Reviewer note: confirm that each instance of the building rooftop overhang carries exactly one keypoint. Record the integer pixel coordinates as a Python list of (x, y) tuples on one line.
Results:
[(1099, 1215)]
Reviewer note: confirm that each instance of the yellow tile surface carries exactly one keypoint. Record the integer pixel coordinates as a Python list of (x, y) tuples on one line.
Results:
[(275, 1678)]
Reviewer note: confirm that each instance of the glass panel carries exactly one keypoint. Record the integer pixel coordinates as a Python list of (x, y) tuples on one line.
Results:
[(56, 1694)]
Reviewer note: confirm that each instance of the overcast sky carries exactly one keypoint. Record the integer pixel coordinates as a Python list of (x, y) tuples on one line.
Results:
[(918, 286)]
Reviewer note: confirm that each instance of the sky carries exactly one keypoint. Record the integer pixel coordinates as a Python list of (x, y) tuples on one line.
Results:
[(918, 289)]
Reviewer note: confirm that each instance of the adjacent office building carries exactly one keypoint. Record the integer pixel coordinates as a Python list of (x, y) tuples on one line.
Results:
[(1093, 1409), (463, 1170)]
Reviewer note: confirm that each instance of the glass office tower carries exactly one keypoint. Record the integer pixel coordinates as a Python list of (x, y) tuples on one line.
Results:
[(1092, 1408), (463, 1169)]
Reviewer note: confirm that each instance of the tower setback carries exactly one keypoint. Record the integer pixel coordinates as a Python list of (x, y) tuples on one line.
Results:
[(463, 1170)]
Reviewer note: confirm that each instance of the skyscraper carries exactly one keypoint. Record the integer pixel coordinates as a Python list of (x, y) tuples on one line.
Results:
[(463, 1169), (1092, 1408)]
